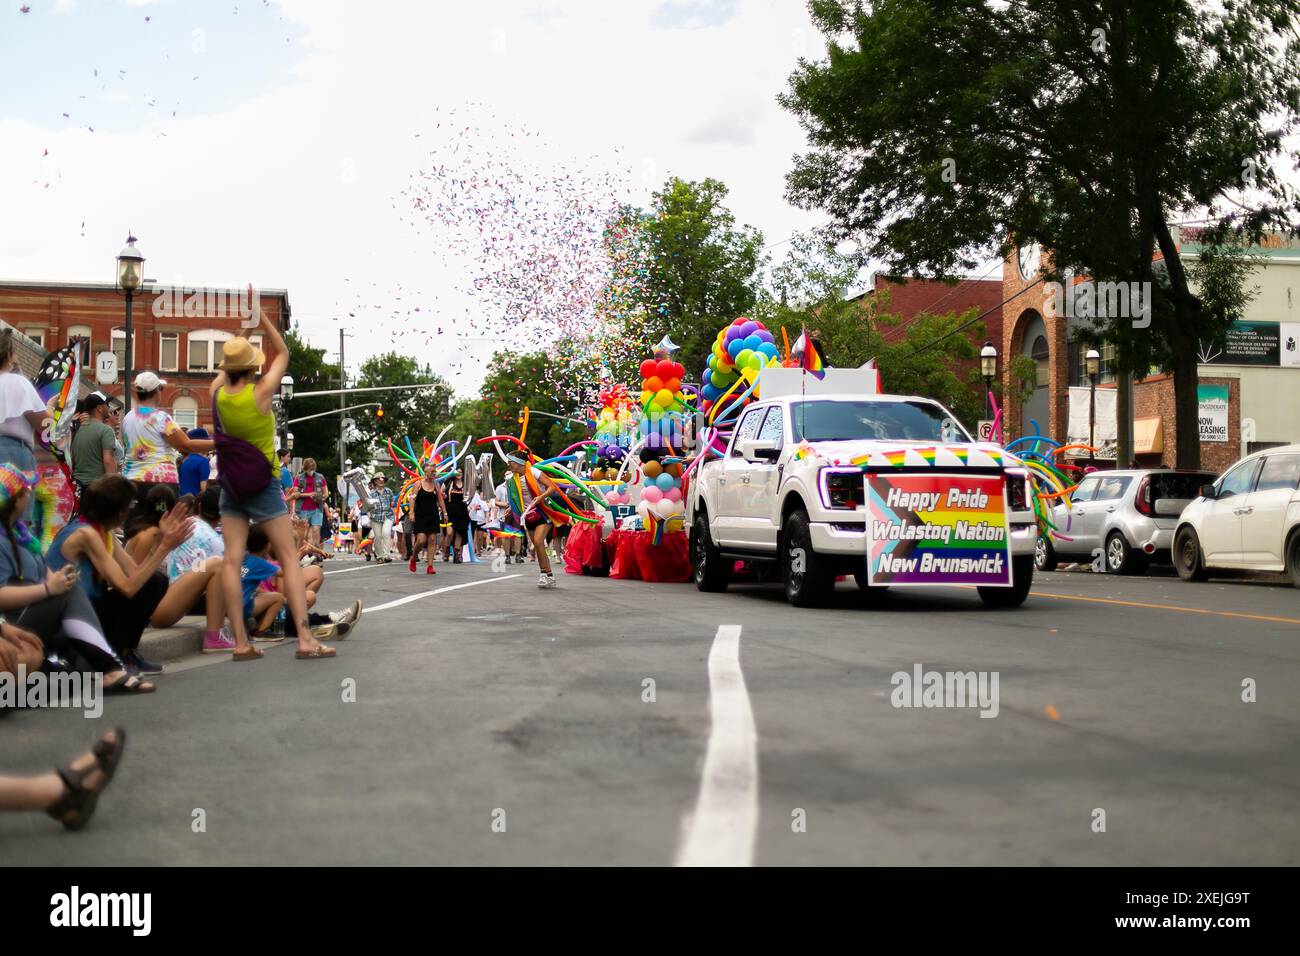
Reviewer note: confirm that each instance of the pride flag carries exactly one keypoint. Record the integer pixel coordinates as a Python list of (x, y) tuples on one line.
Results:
[(809, 360)]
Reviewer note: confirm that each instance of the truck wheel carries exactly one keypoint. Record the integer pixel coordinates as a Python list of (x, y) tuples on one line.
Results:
[(875, 596), (1120, 558), (1022, 574), (807, 581), (712, 570), (1045, 558), (1293, 558), (1187, 555)]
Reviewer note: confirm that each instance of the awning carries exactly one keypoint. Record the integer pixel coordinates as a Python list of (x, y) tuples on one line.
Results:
[(1148, 436)]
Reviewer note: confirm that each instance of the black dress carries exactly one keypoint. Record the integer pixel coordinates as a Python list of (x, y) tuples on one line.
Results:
[(427, 515), (457, 511)]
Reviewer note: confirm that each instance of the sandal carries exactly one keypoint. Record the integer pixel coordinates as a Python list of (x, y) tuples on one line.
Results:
[(130, 684), (319, 651), (77, 804), (249, 653)]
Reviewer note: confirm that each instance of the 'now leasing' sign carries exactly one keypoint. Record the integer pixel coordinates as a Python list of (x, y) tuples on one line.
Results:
[(926, 529)]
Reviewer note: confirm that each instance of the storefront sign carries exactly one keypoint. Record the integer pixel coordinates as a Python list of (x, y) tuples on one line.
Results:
[(926, 529), (1212, 412), (1258, 343)]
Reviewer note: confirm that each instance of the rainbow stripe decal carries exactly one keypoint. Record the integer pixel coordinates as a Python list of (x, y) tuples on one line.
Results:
[(927, 529)]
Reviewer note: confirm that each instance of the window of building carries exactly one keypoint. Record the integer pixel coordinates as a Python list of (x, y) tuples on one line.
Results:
[(256, 341), (1079, 364), (205, 349), (186, 412), (82, 333), (36, 335), (169, 349), (119, 348)]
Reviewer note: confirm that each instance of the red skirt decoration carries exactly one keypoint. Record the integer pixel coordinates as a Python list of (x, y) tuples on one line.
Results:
[(637, 558)]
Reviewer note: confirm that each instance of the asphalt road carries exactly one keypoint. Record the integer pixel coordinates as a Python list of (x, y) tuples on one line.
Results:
[(497, 724)]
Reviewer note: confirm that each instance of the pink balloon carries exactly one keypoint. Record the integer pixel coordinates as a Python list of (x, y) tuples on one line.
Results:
[(673, 494), (651, 494)]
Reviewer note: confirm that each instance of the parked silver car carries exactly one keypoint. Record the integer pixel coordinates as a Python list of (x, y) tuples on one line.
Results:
[(1125, 518)]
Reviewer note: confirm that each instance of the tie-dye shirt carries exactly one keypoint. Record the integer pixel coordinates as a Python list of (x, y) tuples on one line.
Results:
[(148, 456)]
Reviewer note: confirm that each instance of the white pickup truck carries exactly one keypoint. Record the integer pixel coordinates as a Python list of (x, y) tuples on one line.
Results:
[(814, 484)]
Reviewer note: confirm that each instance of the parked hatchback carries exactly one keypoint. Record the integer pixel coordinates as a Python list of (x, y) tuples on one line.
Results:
[(1249, 519), (1127, 518)]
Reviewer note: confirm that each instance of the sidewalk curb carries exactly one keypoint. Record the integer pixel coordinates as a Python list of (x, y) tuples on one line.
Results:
[(170, 643)]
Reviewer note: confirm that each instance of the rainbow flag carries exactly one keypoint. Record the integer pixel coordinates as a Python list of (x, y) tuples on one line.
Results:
[(809, 360), (928, 454), (960, 451), (897, 458)]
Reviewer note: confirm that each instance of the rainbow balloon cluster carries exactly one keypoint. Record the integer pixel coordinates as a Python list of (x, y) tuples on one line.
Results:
[(616, 422), (742, 345), (661, 491)]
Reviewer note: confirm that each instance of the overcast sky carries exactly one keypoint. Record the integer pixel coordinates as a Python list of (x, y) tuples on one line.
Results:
[(246, 141)]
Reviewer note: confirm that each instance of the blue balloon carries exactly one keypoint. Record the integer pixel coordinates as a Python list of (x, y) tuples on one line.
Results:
[(769, 349), (664, 481), (735, 347), (708, 374), (752, 342), (710, 392)]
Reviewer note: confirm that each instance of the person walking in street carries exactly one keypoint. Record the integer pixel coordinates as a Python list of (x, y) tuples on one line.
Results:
[(152, 438), (286, 481), (381, 519), (427, 518), (94, 444), (536, 523), (250, 482), (457, 518), (308, 495)]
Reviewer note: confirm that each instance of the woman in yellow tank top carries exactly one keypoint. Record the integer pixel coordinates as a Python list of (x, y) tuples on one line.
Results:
[(243, 408)]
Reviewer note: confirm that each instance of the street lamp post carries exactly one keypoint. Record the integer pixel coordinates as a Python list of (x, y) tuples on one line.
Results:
[(989, 369), (130, 272), (1092, 360)]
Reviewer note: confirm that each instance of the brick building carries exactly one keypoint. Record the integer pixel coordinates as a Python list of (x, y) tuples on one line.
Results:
[(1251, 386), (909, 298), (177, 332)]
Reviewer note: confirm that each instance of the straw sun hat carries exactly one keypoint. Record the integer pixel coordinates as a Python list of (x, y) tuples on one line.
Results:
[(240, 354)]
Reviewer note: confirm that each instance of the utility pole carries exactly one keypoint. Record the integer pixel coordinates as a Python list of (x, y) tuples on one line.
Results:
[(343, 384)]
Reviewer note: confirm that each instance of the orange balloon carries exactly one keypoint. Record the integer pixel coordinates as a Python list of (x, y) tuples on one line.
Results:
[(652, 469), (673, 384), (653, 384)]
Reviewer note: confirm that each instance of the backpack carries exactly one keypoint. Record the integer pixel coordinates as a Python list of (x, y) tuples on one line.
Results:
[(242, 469)]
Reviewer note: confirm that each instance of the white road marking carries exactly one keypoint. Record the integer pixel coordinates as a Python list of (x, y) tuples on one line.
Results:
[(452, 587), (721, 831), (363, 567)]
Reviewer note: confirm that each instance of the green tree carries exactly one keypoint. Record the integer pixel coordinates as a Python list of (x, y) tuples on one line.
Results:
[(515, 381), (701, 270), (943, 132), (319, 437), (413, 413)]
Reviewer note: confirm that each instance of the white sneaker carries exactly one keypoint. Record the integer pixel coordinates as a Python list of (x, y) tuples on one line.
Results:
[(546, 581)]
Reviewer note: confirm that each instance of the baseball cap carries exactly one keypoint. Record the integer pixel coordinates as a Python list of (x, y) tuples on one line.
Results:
[(148, 382), (93, 401), (199, 434)]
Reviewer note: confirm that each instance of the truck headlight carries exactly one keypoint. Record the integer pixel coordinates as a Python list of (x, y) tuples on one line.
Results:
[(842, 488)]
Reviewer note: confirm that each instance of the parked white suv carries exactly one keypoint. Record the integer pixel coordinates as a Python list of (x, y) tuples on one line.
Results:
[(1249, 519), (790, 492)]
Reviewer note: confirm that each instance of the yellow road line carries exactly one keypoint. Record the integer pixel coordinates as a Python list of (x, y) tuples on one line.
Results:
[(1169, 607)]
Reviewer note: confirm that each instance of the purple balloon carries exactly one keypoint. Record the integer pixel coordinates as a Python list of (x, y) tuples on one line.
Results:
[(749, 328), (732, 332), (765, 335)]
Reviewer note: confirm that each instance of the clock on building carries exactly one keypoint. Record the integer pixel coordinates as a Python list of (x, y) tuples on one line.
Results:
[(1027, 257)]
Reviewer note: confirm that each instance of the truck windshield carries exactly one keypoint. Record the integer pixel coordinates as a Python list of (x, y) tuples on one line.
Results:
[(856, 421)]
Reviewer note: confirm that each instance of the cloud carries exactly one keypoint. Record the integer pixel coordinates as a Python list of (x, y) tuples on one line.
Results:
[(692, 14), (735, 126)]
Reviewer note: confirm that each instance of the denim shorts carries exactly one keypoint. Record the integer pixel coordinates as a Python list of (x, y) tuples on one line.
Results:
[(314, 518), (263, 506)]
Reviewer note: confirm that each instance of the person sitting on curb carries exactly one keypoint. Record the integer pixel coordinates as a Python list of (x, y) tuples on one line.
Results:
[(124, 593), (193, 569), (47, 603), (71, 793)]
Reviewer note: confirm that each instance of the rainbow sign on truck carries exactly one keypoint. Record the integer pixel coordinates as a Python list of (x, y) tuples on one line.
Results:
[(928, 529)]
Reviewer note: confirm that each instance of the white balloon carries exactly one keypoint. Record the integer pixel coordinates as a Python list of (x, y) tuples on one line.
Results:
[(664, 508)]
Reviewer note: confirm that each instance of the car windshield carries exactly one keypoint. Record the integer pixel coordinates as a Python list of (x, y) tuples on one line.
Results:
[(868, 420), (1178, 486)]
